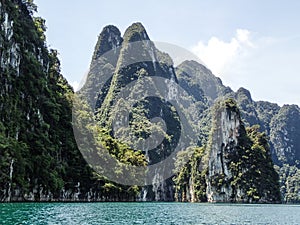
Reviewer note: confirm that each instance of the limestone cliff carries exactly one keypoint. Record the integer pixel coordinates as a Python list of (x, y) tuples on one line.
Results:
[(129, 74), (39, 160), (240, 168), (224, 139), (280, 123)]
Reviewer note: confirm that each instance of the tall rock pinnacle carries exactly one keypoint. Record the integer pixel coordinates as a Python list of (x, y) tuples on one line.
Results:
[(109, 39)]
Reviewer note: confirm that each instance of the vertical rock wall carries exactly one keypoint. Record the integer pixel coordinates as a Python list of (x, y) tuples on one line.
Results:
[(224, 139)]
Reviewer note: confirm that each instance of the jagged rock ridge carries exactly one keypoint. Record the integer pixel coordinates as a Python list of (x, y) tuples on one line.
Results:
[(39, 158), (280, 123), (142, 61), (138, 60)]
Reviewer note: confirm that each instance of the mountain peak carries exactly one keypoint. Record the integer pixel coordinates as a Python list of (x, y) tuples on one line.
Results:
[(136, 32), (195, 64), (111, 28), (243, 91), (109, 38), (211, 85)]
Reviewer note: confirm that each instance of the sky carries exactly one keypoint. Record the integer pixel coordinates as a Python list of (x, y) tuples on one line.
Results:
[(253, 44)]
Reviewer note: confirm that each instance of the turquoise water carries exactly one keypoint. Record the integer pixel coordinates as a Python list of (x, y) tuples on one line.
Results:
[(147, 213)]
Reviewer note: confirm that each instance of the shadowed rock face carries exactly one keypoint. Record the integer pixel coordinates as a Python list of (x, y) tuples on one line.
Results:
[(135, 61), (285, 135), (192, 72), (109, 39), (35, 111)]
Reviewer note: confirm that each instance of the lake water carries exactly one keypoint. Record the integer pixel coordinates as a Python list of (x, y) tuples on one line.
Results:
[(147, 213)]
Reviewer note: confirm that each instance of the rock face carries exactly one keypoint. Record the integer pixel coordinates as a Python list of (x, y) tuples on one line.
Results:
[(191, 73), (11, 56), (224, 141), (280, 123), (37, 146), (132, 64), (39, 159), (240, 168), (285, 135), (234, 166), (205, 87)]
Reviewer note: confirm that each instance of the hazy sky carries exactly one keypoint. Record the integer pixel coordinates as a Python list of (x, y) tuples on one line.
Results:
[(254, 44)]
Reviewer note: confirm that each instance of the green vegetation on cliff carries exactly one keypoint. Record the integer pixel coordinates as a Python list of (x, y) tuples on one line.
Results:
[(239, 169), (39, 156), (40, 159)]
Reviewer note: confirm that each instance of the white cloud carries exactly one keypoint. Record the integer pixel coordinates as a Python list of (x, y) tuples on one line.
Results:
[(218, 55), (267, 66)]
